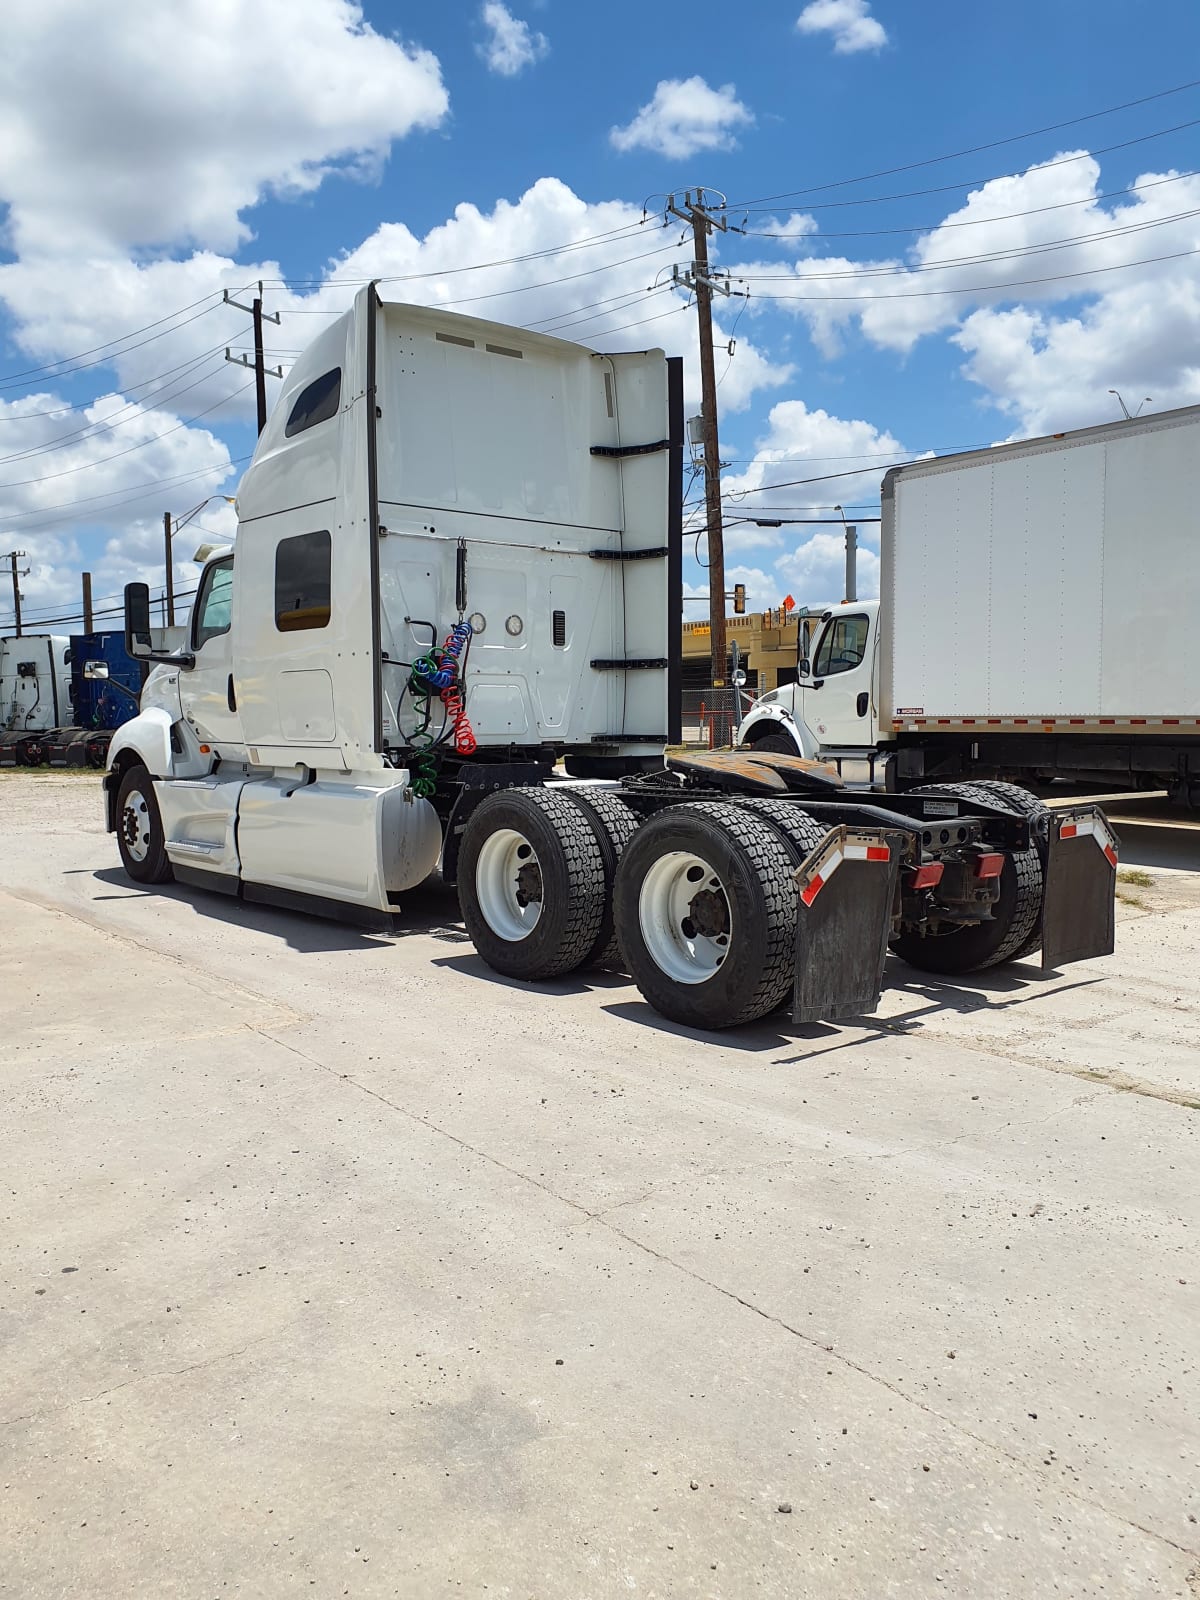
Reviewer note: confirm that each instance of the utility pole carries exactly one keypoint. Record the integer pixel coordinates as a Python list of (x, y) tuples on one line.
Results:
[(87, 602), (14, 556), (170, 569), (698, 279), (261, 372)]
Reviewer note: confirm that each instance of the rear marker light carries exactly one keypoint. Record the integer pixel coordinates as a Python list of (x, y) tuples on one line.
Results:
[(926, 876), (990, 865)]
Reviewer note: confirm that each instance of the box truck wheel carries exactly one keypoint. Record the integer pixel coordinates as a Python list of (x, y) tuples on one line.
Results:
[(531, 883), (1015, 916), (705, 910), (613, 824), (778, 744), (139, 829)]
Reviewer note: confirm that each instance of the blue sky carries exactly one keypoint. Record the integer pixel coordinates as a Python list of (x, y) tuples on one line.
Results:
[(148, 165)]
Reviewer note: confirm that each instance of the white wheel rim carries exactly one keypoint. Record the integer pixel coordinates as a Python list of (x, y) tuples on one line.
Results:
[(135, 825), (680, 929), (504, 885)]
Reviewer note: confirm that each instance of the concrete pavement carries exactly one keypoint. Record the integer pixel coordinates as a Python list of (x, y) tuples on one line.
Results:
[(330, 1263)]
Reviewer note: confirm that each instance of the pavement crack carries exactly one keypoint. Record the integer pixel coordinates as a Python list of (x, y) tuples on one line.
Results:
[(139, 1378), (599, 1216)]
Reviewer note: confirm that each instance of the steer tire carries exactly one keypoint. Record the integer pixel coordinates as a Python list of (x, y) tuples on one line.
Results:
[(572, 883), (1014, 927), (140, 837), (799, 828), (613, 824), (777, 744), (756, 868)]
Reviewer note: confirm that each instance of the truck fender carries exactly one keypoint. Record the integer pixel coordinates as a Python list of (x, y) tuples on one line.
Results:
[(143, 741), (774, 719)]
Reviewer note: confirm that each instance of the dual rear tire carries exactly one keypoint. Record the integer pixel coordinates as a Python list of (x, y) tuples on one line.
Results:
[(698, 902)]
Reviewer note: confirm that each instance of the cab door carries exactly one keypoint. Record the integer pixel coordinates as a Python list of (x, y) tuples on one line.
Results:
[(207, 689), (840, 712)]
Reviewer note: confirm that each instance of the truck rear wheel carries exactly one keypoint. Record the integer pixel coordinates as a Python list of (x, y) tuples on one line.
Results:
[(1011, 794), (705, 910), (1013, 928), (140, 837), (613, 824), (800, 828), (531, 883)]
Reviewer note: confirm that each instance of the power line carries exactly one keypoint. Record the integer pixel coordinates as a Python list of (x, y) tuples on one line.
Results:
[(968, 222), (151, 485), (1018, 252), (87, 466), (972, 183), (980, 288), (972, 150)]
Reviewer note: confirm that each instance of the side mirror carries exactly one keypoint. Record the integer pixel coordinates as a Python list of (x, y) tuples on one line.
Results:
[(96, 671), (804, 667), (738, 679), (138, 641)]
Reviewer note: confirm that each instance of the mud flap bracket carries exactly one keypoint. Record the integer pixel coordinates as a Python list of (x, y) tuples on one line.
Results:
[(1079, 909), (845, 894)]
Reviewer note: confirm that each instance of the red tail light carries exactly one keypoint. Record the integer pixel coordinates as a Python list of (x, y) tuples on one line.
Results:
[(926, 876), (990, 865)]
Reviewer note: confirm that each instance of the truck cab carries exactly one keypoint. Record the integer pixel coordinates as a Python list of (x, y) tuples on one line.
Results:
[(831, 712)]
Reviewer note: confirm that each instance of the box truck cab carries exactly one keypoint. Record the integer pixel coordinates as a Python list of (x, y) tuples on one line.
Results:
[(831, 712)]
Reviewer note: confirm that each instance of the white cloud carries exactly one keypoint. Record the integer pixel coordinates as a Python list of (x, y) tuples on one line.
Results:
[(685, 115), (814, 573), (511, 45), (165, 128), (849, 21), (841, 454)]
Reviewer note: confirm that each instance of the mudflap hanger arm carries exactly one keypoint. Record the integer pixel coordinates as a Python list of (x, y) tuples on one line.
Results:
[(1079, 906), (845, 894)]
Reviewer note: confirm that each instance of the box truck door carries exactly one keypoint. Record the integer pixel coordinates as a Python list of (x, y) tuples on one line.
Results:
[(841, 712)]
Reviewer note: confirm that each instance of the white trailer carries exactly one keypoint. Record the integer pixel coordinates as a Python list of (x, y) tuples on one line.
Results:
[(35, 693), (1036, 620), (448, 633)]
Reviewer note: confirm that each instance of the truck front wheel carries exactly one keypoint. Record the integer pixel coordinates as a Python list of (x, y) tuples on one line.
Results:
[(140, 837), (777, 743), (531, 883)]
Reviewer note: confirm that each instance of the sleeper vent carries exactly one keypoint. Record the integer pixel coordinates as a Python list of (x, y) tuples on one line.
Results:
[(558, 629), (454, 338), (503, 350)]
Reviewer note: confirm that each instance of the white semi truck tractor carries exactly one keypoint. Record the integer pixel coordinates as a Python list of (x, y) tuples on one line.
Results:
[(1036, 620), (35, 695), (448, 634)]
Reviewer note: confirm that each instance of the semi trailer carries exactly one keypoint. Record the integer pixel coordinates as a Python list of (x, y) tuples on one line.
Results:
[(35, 695), (447, 634), (1035, 621)]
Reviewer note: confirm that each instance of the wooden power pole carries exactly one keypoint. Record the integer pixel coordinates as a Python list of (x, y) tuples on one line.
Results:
[(14, 556), (261, 371), (694, 212)]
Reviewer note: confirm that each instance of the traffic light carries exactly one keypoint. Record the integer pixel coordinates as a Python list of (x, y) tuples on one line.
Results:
[(739, 599)]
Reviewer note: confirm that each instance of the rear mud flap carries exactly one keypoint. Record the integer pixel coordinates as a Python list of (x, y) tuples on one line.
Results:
[(846, 891), (1079, 909)]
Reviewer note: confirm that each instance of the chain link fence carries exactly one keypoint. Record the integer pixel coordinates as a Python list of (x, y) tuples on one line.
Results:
[(712, 716)]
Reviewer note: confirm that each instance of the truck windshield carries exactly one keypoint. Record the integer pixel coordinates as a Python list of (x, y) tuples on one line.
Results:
[(843, 646)]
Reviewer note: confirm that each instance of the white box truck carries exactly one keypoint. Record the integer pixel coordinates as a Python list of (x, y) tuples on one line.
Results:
[(448, 633), (1036, 621)]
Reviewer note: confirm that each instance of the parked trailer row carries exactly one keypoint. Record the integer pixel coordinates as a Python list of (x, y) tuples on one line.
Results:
[(448, 635)]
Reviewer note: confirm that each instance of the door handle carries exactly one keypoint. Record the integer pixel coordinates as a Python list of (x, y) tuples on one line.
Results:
[(862, 704), (230, 697)]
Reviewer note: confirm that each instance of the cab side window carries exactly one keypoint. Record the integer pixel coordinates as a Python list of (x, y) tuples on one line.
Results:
[(843, 646), (315, 404), (213, 603), (303, 582)]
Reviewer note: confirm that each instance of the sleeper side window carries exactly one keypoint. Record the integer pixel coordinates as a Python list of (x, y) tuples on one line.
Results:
[(303, 582), (317, 403), (843, 646), (214, 603)]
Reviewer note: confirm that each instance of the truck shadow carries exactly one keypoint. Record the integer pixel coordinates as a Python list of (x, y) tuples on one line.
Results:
[(431, 909)]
